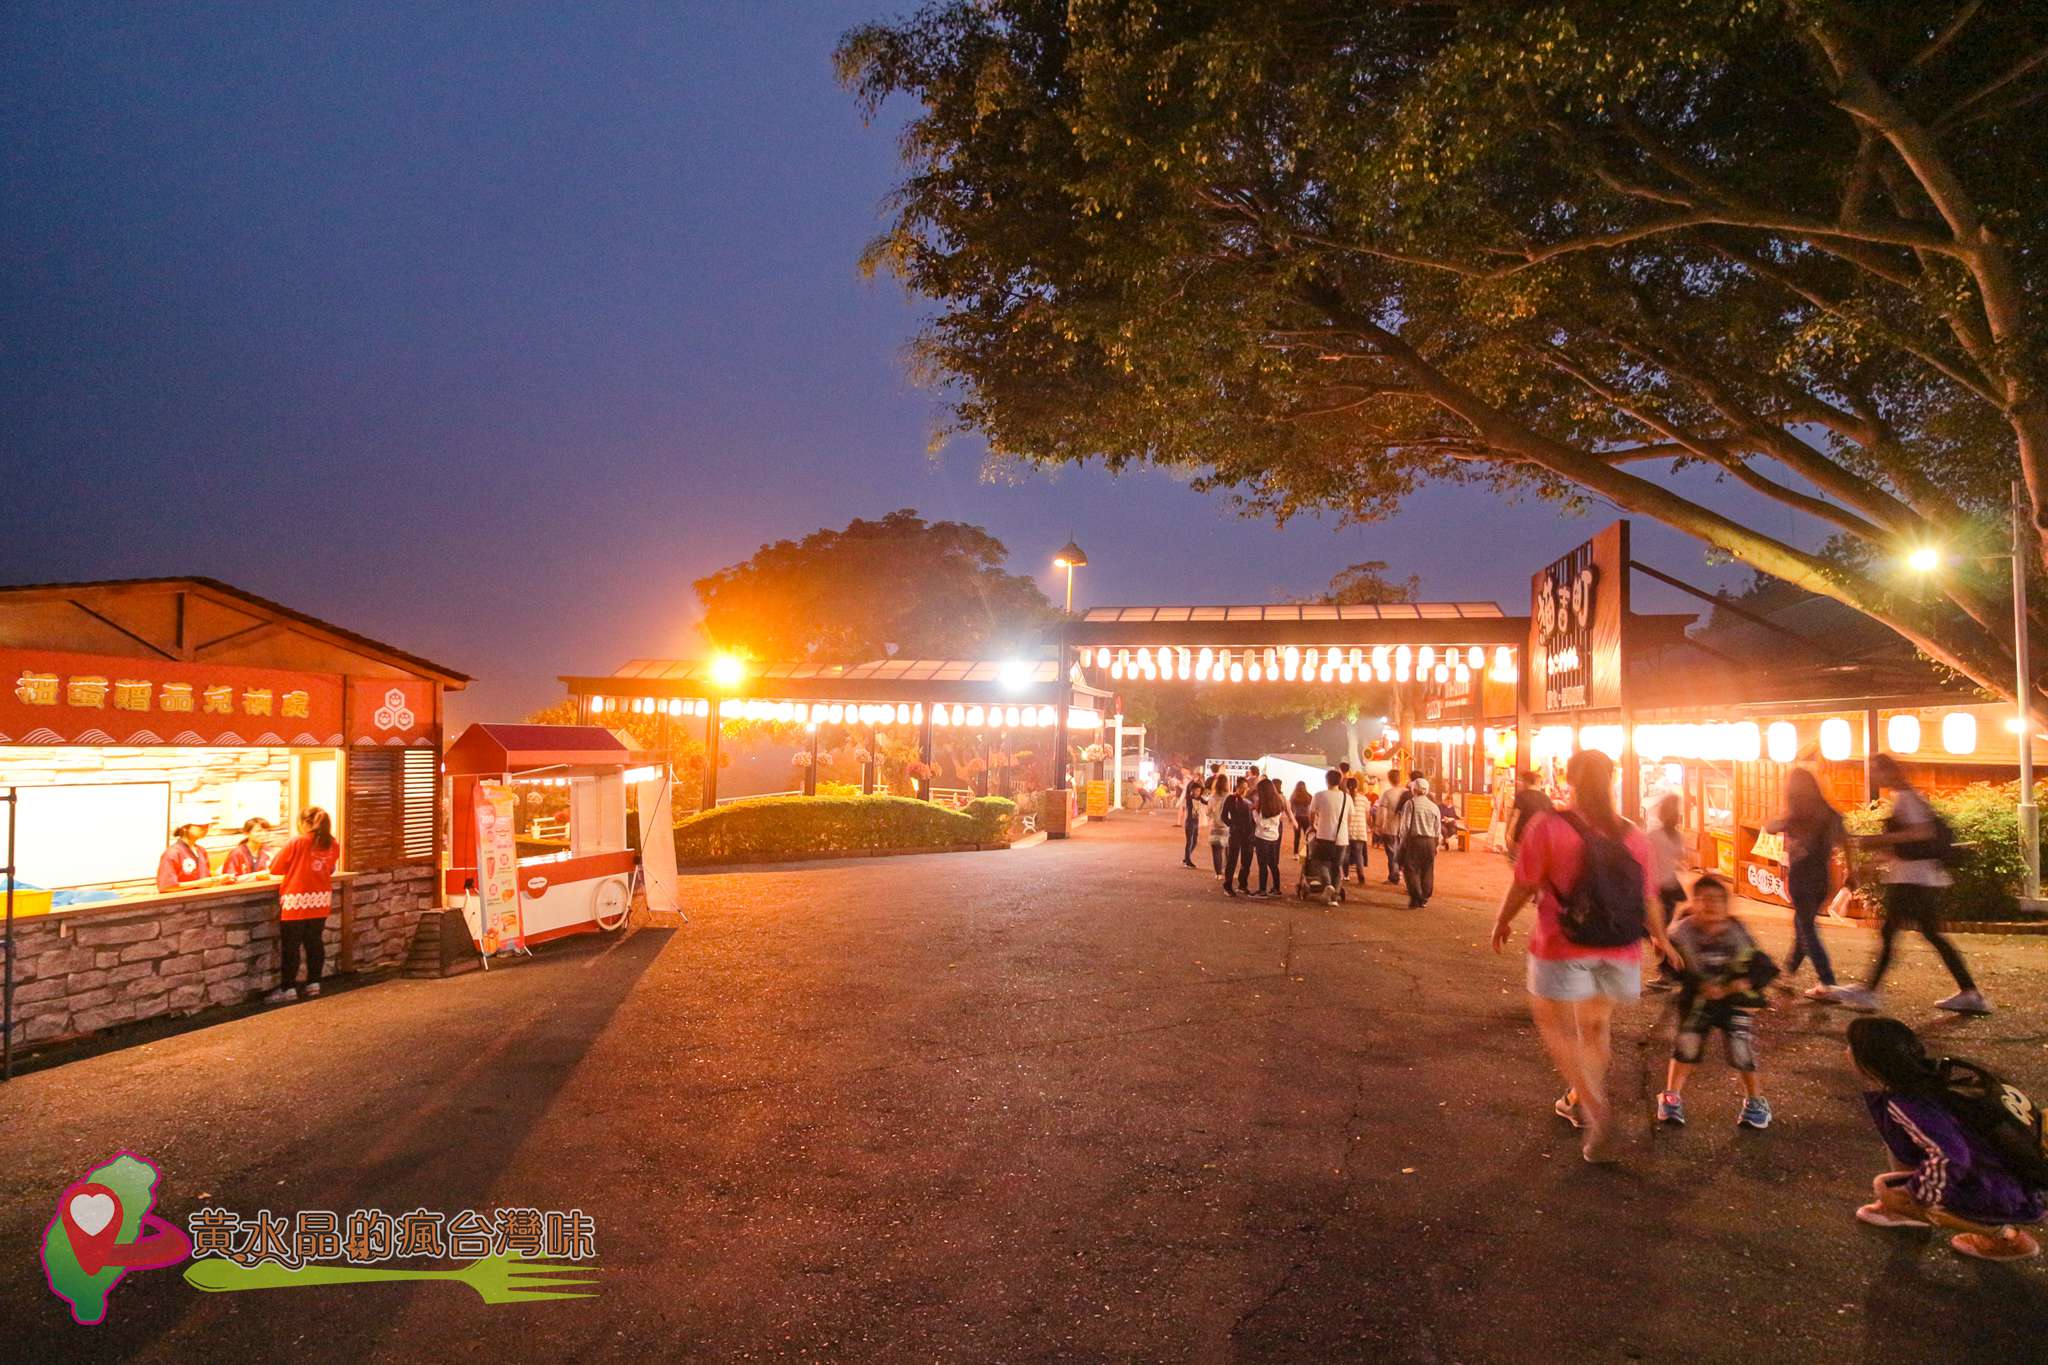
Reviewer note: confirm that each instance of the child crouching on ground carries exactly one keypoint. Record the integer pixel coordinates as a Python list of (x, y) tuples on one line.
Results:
[(1723, 980), (1965, 1145)]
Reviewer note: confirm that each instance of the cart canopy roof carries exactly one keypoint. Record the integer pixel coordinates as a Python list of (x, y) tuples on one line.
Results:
[(485, 749)]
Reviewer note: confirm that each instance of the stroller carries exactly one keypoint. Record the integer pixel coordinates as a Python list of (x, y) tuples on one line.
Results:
[(1322, 879)]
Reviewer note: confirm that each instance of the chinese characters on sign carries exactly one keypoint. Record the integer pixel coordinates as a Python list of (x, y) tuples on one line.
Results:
[(134, 694), (371, 1236), (497, 856)]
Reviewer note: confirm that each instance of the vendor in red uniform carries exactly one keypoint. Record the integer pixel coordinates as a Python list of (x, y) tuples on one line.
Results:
[(248, 857), (305, 872), (184, 864)]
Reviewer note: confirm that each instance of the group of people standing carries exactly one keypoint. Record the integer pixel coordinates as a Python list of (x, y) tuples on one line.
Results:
[(1247, 819)]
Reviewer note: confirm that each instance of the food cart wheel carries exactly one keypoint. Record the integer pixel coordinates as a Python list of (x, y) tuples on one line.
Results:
[(611, 904)]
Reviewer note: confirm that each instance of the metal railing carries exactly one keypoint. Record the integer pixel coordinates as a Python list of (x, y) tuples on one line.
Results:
[(728, 800)]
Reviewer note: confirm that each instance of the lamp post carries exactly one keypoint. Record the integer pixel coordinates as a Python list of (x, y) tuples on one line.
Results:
[(2030, 813), (727, 673), (1070, 557), (1926, 559)]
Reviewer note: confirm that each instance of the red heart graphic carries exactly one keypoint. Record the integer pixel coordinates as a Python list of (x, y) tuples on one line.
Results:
[(92, 1220)]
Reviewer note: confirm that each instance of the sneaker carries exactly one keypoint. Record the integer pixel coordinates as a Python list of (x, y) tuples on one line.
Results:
[(1756, 1113), (1567, 1108), (2007, 1244), (1860, 998), (1658, 985), (1824, 994), (1878, 1216), (283, 995), (1671, 1108), (312, 989), (1965, 1002)]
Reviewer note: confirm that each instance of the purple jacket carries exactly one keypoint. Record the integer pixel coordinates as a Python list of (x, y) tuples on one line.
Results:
[(1953, 1169)]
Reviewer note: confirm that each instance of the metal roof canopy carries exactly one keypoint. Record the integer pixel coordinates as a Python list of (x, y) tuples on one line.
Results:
[(1301, 623), (891, 680), (484, 750)]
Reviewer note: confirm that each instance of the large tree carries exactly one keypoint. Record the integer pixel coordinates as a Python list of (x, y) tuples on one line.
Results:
[(899, 585), (1318, 252)]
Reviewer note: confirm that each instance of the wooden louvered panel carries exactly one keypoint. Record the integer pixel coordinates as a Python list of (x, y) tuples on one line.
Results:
[(371, 827), (417, 805)]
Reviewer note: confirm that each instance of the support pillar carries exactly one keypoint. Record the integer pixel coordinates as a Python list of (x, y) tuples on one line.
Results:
[(1116, 774), (710, 783), (924, 756)]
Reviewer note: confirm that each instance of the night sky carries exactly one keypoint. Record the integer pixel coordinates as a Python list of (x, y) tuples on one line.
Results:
[(484, 330)]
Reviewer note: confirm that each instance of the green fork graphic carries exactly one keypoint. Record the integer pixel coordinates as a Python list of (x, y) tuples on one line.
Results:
[(496, 1279)]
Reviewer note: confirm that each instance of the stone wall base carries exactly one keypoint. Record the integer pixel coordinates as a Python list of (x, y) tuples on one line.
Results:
[(78, 972)]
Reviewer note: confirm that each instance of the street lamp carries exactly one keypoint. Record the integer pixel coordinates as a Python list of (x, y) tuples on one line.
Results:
[(1926, 559), (1070, 558)]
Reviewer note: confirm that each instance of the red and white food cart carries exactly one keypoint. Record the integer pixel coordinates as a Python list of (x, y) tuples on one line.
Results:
[(585, 887)]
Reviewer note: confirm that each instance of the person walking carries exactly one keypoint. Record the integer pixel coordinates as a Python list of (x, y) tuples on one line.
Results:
[(1272, 813), (1813, 830), (1530, 801), (1915, 843), (1667, 854), (1330, 815), (1387, 815), (1421, 832), (1297, 808), (1191, 808), (1358, 826), (1583, 963), (1241, 819), (1219, 833)]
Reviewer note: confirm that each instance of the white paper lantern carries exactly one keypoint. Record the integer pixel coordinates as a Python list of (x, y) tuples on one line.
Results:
[(1782, 741), (1959, 732), (1902, 734), (1747, 742), (1834, 739)]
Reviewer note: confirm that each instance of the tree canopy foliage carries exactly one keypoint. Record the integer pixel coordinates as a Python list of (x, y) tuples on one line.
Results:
[(897, 585), (1318, 252)]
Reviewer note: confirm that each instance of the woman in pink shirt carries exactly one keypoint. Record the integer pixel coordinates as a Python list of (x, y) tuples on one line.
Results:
[(1573, 988)]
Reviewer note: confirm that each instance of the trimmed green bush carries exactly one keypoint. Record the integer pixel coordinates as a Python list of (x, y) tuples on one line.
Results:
[(769, 829), (1985, 819), (991, 816)]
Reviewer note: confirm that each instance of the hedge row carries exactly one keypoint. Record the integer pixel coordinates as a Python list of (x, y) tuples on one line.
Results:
[(774, 828)]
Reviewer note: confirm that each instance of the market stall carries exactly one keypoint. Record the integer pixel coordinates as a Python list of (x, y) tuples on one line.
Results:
[(552, 800), (132, 710)]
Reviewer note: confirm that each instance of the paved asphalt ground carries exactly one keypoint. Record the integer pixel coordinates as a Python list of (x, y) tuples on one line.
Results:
[(1065, 1103)]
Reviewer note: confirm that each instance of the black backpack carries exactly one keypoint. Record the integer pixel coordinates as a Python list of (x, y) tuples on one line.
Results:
[(1938, 847), (2001, 1114), (1604, 909)]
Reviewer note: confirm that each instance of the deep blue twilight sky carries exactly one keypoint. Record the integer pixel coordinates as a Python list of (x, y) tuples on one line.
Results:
[(486, 329)]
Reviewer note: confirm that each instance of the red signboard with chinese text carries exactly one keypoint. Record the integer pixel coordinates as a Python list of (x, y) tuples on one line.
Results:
[(1577, 612), (398, 711), (52, 697)]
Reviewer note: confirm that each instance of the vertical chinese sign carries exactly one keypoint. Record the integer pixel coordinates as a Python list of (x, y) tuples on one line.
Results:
[(497, 882)]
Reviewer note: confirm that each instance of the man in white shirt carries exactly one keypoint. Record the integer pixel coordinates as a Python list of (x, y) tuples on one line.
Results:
[(1387, 816), (1330, 816), (1422, 828)]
